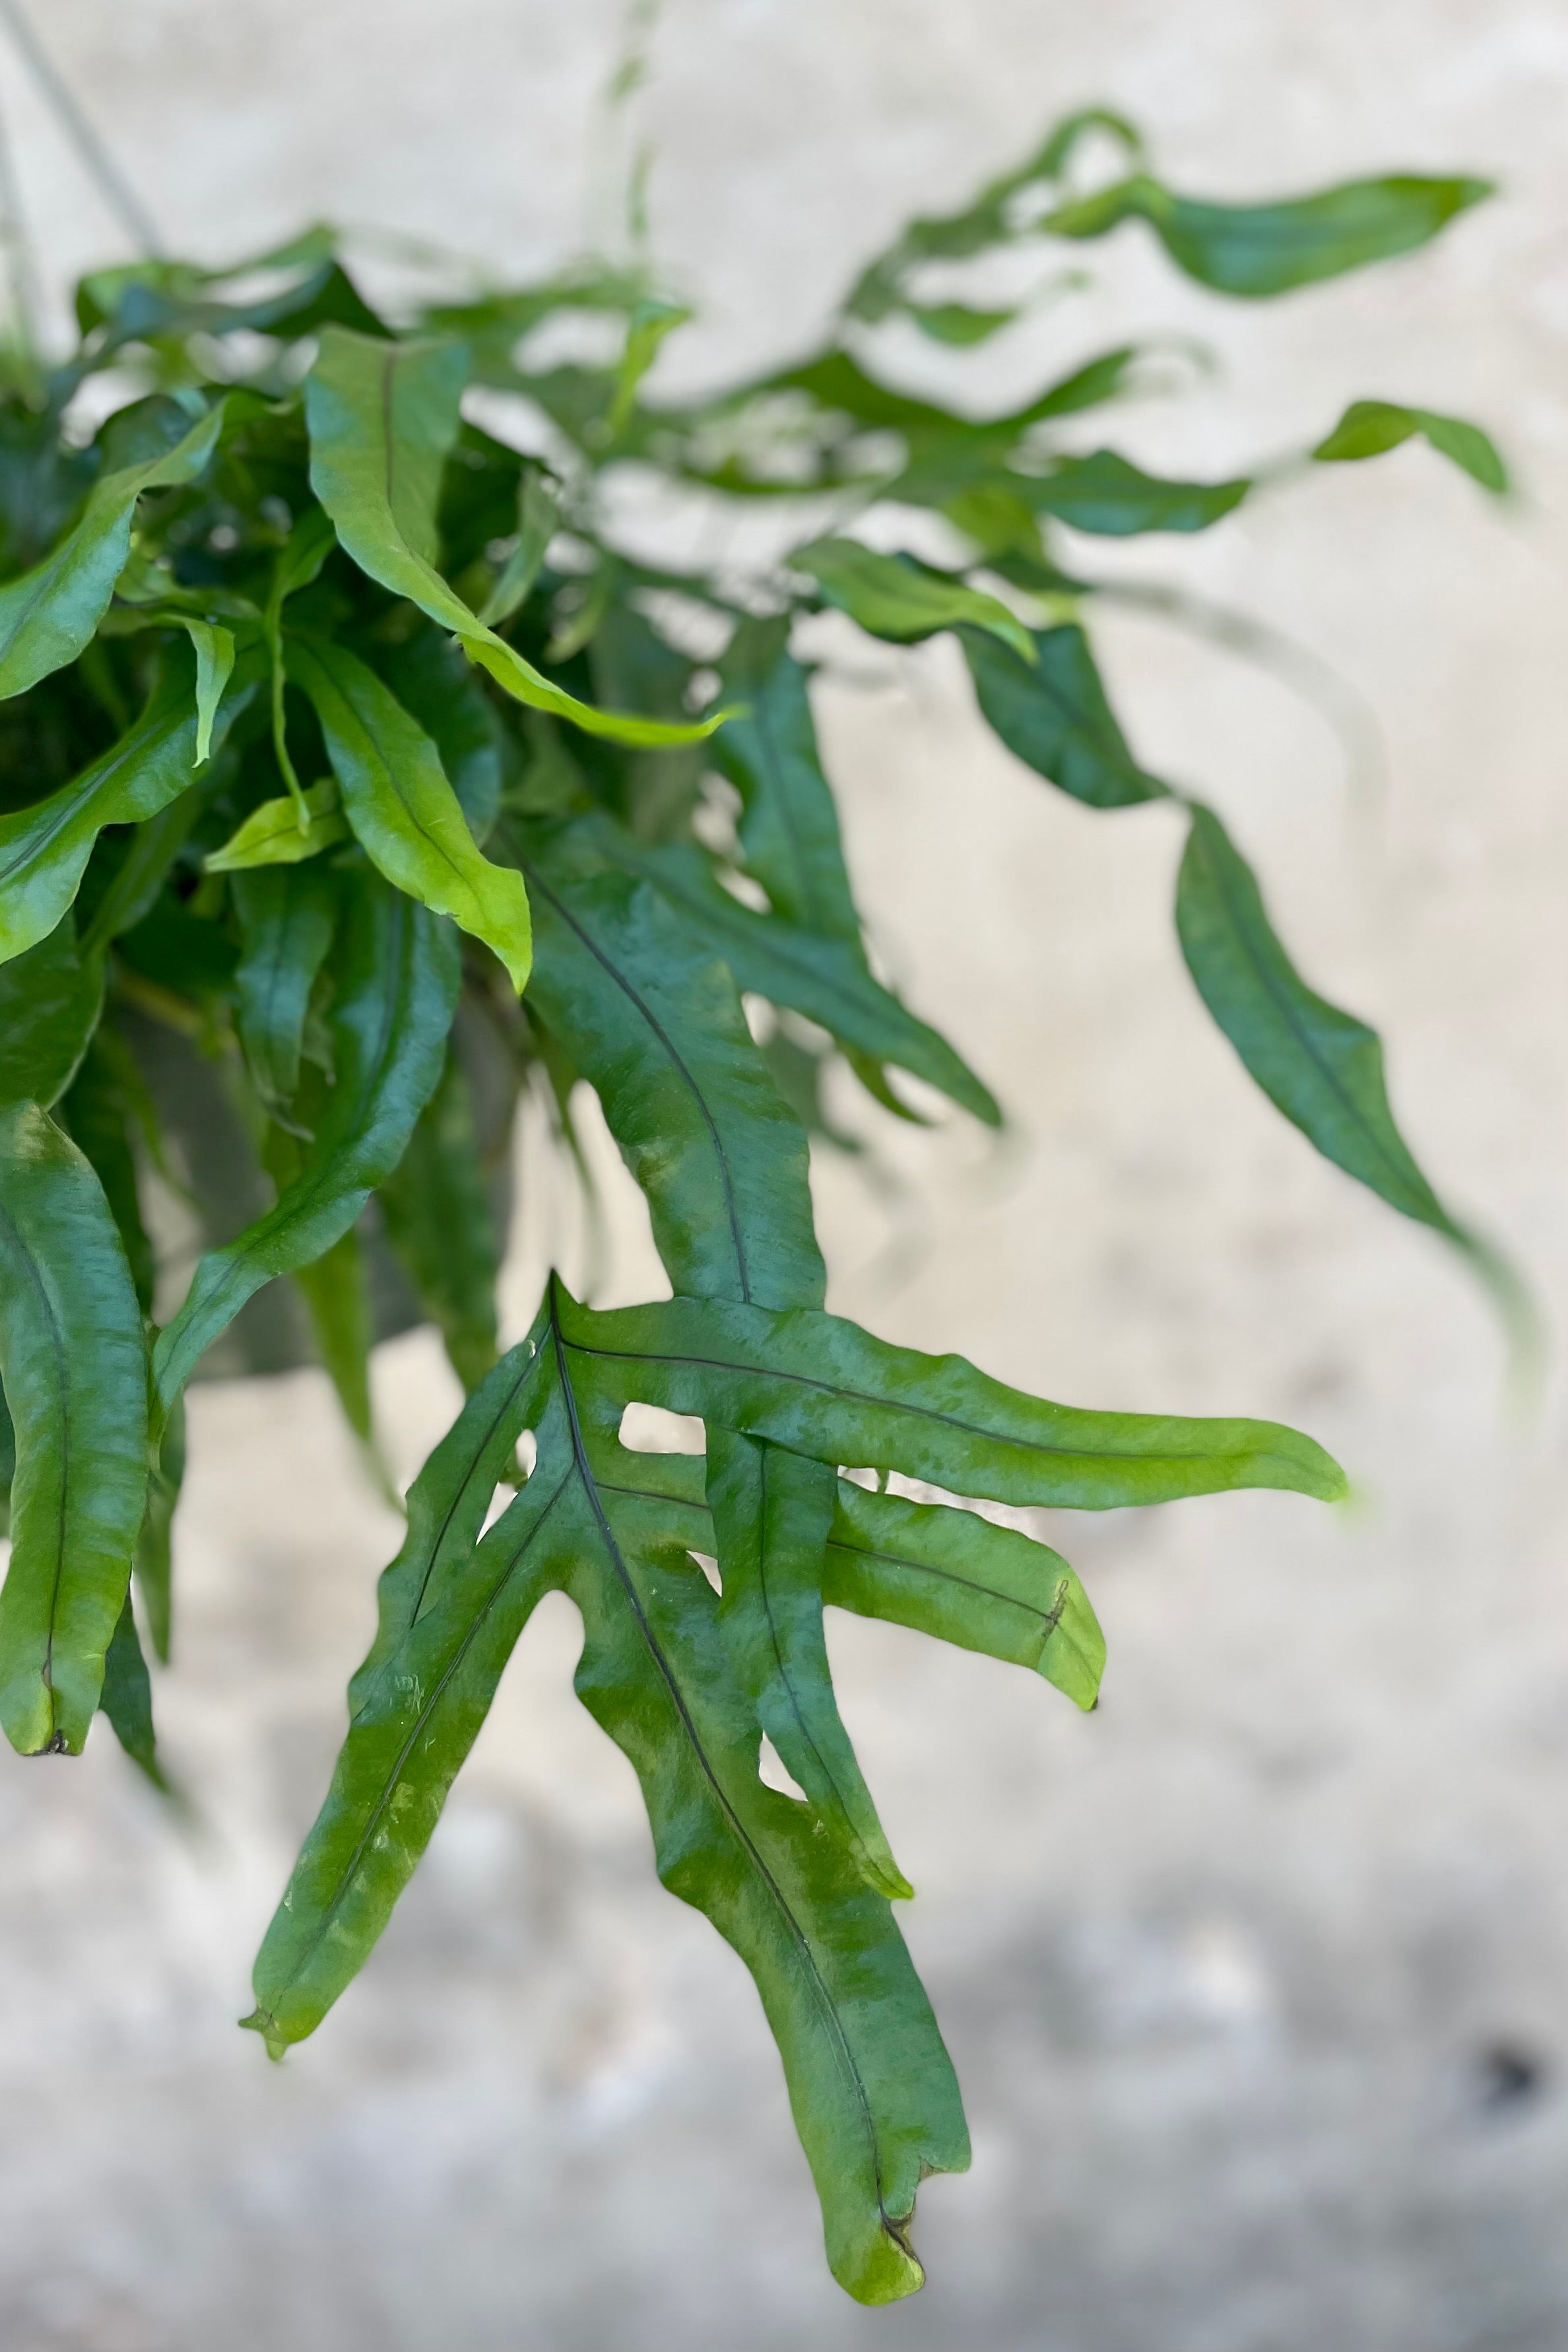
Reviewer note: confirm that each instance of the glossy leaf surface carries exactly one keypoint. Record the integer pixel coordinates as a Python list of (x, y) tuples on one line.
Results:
[(442, 1226), (285, 919), (383, 419), (243, 983), (49, 1001), (50, 614), (44, 849), (1322, 1068), (275, 833), (396, 798), (75, 1373), (397, 987)]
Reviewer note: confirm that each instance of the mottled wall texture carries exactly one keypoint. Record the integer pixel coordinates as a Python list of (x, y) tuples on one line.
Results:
[(1255, 1978)]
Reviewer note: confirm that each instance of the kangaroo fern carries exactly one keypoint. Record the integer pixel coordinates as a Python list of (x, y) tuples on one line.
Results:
[(366, 766)]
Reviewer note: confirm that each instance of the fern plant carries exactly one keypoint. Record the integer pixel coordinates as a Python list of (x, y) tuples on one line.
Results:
[(358, 774)]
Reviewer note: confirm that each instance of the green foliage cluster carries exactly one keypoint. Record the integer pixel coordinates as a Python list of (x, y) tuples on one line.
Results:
[(355, 775)]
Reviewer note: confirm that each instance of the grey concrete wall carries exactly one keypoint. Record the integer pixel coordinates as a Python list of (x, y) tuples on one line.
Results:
[(1254, 1979)]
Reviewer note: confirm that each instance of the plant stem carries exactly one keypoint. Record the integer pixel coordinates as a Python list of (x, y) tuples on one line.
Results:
[(115, 189)]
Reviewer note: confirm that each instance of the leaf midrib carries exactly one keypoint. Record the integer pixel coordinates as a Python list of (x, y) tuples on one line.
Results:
[(677, 1063), (1267, 981), (737, 1828), (920, 1412)]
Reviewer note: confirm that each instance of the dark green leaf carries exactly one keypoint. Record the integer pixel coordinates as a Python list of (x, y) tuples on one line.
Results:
[(824, 978), (49, 1001), (154, 1562), (1102, 493), (1053, 714), (822, 1387), (132, 889), (1321, 1067), (789, 825), (652, 1019), (338, 1306), (772, 1512), (954, 1575), (127, 1697), (74, 1372), (440, 1222), (398, 985), (1268, 249), (286, 917), (870, 2085), (97, 1117)]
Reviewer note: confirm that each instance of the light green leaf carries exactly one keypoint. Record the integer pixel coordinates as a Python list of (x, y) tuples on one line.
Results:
[(890, 596), (49, 1002), (44, 849), (272, 835), (75, 1372), (1368, 427), (383, 417), (397, 985), (286, 915), (398, 801), (1268, 249), (51, 613), (215, 665), (1054, 715), (439, 690), (952, 1574), (958, 322)]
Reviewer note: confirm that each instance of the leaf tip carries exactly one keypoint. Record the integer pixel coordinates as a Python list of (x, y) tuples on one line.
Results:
[(262, 2022)]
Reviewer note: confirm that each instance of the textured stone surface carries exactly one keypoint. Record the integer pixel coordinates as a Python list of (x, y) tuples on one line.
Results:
[(1255, 1980)]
